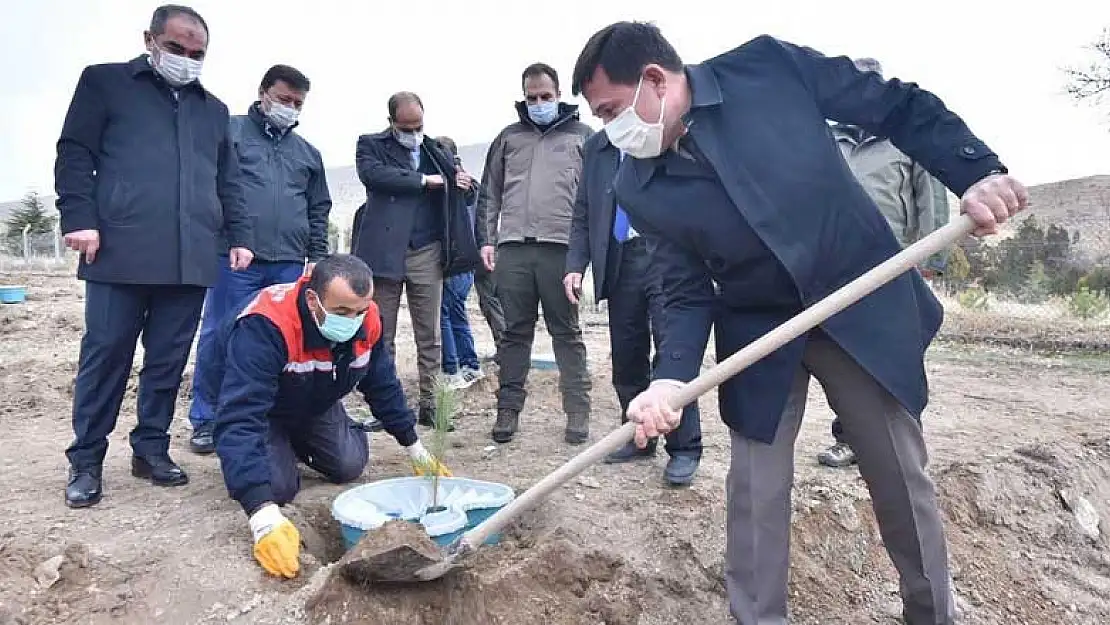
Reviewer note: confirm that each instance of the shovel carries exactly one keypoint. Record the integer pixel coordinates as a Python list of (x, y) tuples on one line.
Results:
[(407, 563)]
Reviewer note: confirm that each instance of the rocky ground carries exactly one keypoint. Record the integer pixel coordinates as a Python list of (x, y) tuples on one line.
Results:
[(1020, 445)]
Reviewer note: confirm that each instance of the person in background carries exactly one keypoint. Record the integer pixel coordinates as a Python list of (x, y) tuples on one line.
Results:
[(909, 198), (488, 301), (286, 193), (281, 367), (731, 175), (601, 235), (414, 231), (146, 177), (526, 202), (460, 361)]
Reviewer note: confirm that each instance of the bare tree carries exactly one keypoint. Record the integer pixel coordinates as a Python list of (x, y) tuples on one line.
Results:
[(1093, 81)]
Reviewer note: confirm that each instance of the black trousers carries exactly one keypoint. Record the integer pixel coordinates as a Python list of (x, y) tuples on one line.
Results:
[(635, 319), (115, 316), (330, 443)]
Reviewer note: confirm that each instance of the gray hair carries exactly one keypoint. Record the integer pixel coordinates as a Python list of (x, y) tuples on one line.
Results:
[(166, 12)]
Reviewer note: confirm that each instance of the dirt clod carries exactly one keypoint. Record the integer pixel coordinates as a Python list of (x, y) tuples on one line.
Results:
[(558, 583), (393, 552)]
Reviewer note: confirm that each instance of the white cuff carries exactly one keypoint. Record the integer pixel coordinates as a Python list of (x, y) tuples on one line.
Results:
[(668, 382), (418, 452), (265, 519)]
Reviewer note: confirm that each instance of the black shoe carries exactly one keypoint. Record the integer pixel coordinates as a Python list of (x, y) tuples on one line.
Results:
[(506, 426), (83, 488), (680, 470), (427, 418), (631, 452), (202, 441), (160, 470), (578, 429)]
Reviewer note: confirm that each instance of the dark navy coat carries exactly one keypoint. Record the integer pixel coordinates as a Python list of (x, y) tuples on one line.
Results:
[(394, 192), (771, 213), (154, 173), (591, 228)]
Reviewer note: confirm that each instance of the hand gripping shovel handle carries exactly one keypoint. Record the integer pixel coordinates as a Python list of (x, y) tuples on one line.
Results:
[(801, 323)]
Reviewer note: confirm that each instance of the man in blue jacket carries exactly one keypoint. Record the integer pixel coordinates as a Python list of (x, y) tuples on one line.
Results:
[(286, 193), (146, 178), (281, 368), (735, 180)]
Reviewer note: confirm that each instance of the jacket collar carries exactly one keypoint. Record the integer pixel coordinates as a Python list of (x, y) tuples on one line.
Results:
[(258, 117), (566, 112), (142, 65), (704, 87), (312, 337), (705, 92)]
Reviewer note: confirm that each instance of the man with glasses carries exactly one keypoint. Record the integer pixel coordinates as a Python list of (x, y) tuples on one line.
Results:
[(287, 197), (146, 178)]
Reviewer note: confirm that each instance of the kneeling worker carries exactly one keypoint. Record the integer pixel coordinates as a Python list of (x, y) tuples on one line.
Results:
[(282, 367)]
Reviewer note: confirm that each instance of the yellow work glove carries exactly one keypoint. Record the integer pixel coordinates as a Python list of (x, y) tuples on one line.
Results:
[(424, 463), (277, 543)]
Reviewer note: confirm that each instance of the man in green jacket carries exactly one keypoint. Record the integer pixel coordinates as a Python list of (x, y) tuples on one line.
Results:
[(913, 202)]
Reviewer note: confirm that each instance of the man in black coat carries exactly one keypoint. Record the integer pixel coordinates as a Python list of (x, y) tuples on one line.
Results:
[(751, 216), (414, 231), (601, 235), (146, 180)]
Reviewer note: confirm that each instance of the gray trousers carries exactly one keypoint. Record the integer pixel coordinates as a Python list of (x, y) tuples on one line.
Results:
[(891, 449), (423, 285), (489, 303), (529, 276)]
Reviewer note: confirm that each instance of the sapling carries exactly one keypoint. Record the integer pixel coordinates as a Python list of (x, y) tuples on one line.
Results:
[(446, 403)]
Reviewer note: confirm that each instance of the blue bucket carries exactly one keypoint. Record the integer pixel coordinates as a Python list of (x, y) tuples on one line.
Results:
[(13, 294), (467, 503)]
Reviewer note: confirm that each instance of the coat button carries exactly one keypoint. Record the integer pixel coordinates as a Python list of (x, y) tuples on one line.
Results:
[(969, 150)]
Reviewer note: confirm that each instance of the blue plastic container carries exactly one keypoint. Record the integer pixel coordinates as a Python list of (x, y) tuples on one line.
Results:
[(14, 294), (467, 503)]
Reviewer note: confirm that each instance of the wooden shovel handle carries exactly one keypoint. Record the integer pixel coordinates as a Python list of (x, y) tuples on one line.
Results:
[(801, 323)]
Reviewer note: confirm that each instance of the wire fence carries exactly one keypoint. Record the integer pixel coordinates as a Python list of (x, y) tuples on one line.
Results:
[(1043, 283)]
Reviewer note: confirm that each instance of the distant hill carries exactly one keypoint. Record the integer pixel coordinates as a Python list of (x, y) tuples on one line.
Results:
[(1081, 204), (347, 192)]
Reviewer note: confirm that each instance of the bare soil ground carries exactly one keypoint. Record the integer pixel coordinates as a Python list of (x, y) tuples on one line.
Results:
[(1009, 430)]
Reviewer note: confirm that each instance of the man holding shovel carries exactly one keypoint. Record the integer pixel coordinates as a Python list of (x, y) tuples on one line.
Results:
[(282, 367), (751, 216)]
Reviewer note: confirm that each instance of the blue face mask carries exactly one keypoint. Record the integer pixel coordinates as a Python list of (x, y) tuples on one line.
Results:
[(337, 328), (543, 113)]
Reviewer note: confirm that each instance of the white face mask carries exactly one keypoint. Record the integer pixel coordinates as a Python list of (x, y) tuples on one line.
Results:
[(281, 115), (176, 69), (632, 135), (409, 139)]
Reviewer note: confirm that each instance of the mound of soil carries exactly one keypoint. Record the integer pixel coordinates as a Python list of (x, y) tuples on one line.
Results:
[(557, 583)]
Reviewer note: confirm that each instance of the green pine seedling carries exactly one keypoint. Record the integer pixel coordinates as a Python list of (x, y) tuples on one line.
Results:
[(446, 403)]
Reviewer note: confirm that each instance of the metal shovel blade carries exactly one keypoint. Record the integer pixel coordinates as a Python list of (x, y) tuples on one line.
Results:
[(392, 553)]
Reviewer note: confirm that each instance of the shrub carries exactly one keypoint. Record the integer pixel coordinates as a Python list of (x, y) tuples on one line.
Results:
[(1088, 304), (974, 298)]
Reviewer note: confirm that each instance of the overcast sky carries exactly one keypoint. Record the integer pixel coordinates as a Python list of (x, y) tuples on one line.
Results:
[(995, 65)]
